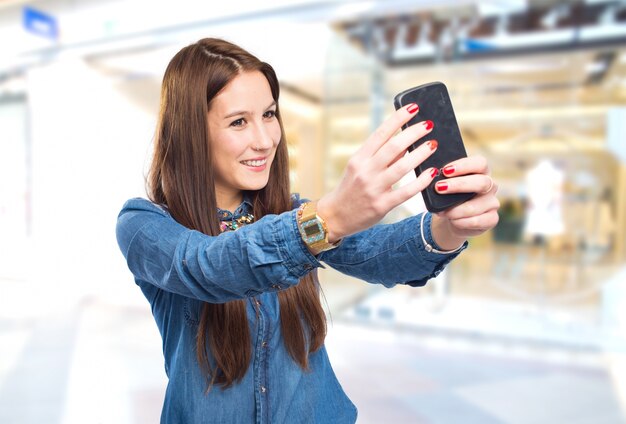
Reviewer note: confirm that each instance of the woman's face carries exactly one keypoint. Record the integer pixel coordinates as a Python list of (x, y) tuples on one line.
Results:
[(243, 133)]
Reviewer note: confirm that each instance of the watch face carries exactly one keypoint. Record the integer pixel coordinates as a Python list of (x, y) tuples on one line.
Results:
[(313, 231)]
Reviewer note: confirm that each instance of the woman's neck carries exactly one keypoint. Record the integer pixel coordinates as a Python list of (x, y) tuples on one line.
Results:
[(228, 201)]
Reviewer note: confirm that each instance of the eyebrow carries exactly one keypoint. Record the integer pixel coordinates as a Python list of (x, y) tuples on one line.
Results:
[(242, 112)]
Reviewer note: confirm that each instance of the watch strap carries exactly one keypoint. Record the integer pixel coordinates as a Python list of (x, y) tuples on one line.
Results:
[(313, 229)]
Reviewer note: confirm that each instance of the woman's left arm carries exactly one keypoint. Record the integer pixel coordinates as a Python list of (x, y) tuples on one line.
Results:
[(451, 228), (391, 254)]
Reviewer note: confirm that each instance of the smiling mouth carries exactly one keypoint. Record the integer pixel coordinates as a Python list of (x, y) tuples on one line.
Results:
[(255, 163)]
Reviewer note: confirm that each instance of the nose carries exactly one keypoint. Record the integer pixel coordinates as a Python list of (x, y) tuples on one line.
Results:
[(263, 139)]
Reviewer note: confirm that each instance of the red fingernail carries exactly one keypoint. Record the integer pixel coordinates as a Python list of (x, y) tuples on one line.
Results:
[(434, 172), (448, 170), (412, 108), (442, 186), (428, 124), (433, 144)]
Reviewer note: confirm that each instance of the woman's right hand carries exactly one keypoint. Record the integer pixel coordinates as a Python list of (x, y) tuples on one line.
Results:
[(365, 193)]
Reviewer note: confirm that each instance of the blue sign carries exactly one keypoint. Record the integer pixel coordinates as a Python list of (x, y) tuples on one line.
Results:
[(472, 45), (40, 23)]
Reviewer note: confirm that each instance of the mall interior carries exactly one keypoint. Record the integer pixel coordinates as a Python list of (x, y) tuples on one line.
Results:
[(528, 325)]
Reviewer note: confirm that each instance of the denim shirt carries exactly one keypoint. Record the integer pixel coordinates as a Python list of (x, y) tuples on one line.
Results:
[(178, 269)]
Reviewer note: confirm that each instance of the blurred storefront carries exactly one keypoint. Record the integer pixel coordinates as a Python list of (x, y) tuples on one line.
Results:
[(538, 93)]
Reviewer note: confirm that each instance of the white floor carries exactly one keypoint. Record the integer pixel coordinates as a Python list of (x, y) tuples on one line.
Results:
[(96, 359)]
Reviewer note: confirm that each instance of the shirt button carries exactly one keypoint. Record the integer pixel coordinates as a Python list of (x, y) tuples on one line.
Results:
[(258, 302), (263, 389), (264, 344), (275, 286)]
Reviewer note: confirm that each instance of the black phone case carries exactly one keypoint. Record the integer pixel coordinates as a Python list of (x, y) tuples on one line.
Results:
[(435, 105)]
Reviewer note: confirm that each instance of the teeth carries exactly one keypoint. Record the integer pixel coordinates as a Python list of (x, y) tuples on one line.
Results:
[(254, 162)]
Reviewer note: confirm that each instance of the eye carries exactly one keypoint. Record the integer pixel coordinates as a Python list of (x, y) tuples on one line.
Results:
[(269, 114), (238, 122)]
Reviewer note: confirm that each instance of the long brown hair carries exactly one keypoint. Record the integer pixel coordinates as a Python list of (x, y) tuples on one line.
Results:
[(182, 178)]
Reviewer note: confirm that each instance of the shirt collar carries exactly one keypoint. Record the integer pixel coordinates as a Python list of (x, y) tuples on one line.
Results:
[(244, 208)]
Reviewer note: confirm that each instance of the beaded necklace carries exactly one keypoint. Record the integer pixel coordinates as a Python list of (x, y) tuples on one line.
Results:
[(234, 224)]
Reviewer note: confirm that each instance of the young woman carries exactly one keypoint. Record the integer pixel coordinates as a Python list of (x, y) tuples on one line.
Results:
[(226, 255)]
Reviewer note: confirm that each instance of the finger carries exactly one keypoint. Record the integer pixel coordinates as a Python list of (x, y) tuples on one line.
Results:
[(400, 156), (408, 163), (478, 224), (464, 166), (387, 129), (474, 183), (400, 143), (473, 207), (407, 191)]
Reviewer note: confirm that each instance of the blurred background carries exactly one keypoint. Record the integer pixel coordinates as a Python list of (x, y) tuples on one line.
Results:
[(526, 326)]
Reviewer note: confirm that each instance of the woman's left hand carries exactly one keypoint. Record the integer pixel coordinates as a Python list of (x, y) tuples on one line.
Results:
[(452, 227)]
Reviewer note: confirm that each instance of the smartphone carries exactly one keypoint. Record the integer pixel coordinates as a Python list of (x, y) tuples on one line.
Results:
[(435, 105)]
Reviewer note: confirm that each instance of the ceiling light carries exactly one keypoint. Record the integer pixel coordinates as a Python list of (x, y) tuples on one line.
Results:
[(554, 15), (497, 8), (401, 33), (352, 10), (595, 67), (521, 67)]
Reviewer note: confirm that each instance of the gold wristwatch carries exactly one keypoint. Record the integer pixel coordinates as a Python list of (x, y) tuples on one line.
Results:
[(313, 229)]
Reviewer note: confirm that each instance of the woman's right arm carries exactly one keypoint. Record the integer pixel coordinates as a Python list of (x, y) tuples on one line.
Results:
[(268, 255), (366, 191)]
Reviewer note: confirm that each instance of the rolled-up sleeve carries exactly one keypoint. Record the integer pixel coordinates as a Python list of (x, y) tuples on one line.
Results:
[(389, 254), (268, 255)]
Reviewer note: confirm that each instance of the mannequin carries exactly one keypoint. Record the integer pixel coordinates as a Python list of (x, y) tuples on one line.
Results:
[(544, 185)]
